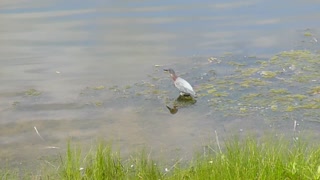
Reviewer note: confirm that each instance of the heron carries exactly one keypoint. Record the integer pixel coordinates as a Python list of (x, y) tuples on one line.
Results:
[(184, 87)]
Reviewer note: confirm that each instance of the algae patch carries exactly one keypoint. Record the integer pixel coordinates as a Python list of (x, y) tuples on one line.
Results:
[(99, 87), (33, 92), (268, 74), (315, 90), (279, 91)]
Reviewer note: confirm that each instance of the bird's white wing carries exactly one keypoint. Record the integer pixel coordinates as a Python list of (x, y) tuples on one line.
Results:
[(184, 86)]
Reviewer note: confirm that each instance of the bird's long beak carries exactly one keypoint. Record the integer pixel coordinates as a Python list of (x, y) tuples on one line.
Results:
[(166, 70)]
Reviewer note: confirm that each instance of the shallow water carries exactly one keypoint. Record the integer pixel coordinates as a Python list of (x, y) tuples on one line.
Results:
[(84, 71)]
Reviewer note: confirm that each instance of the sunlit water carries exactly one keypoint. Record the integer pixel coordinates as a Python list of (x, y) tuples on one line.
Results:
[(84, 70)]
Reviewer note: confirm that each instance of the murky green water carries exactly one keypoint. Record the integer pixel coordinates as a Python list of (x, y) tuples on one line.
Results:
[(95, 71)]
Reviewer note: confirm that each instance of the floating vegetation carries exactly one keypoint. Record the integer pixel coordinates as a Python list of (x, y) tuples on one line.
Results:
[(299, 97), (99, 88), (206, 86), (155, 91), (183, 101), (251, 96), (32, 92), (98, 103), (227, 53), (243, 110), (312, 104), (114, 88), (253, 82), (315, 90), (290, 108), (236, 64), (279, 91), (249, 71), (297, 54), (221, 94), (303, 78), (127, 87), (212, 59), (155, 79), (268, 74), (15, 103), (211, 91), (262, 63), (282, 83), (274, 107), (308, 34)]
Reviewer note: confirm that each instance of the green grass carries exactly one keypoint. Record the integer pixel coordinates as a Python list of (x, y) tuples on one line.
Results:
[(248, 158), (252, 160)]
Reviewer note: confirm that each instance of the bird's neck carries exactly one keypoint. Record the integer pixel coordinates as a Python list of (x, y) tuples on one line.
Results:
[(174, 77)]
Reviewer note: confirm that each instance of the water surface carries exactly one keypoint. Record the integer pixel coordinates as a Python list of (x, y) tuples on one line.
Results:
[(87, 70)]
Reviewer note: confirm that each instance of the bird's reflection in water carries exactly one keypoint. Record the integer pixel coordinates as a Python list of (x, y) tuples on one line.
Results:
[(181, 102), (172, 110)]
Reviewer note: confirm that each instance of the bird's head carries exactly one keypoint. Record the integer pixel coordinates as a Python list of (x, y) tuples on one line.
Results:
[(172, 73)]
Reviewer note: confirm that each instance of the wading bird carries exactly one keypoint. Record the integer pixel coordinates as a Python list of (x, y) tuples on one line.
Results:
[(184, 87)]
